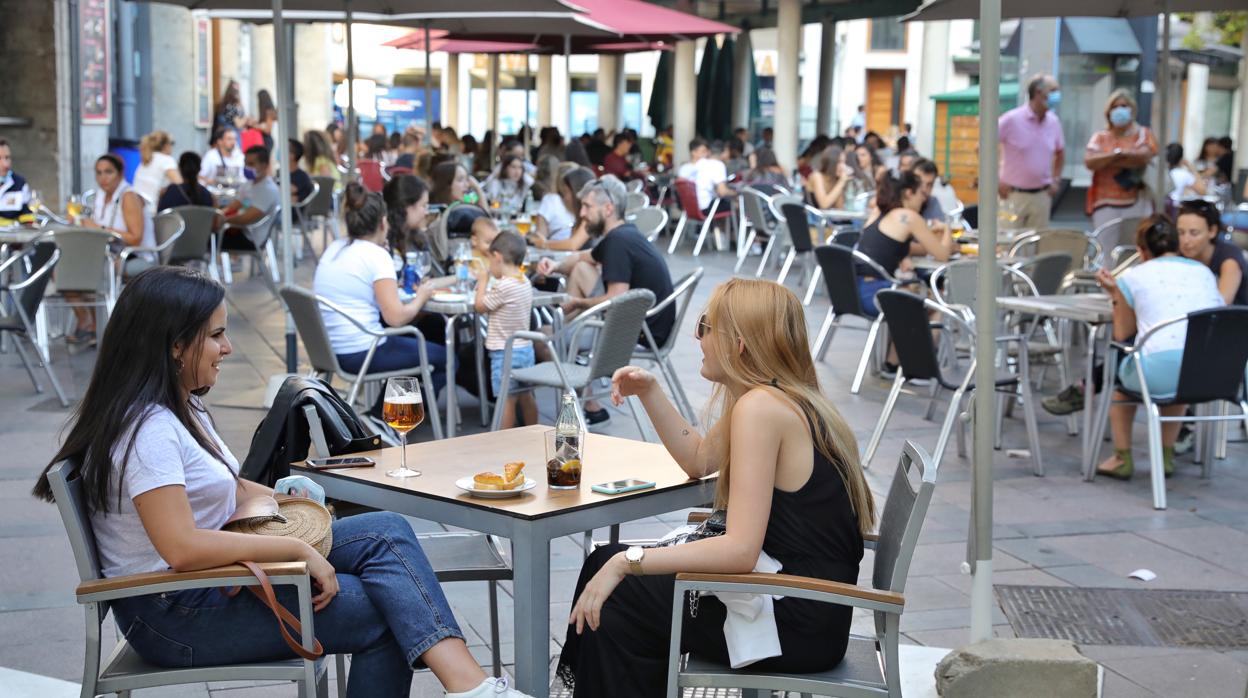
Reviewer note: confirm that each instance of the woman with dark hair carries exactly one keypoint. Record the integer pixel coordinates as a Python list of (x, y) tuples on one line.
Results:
[(896, 233), (563, 207), (1184, 182), (229, 114), (407, 208), (868, 166), (319, 154), (1164, 286), (828, 181), (468, 156), (159, 483), (357, 274), (765, 172), (508, 186), (574, 151), (806, 160), (451, 183), (190, 192), (1198, 226)]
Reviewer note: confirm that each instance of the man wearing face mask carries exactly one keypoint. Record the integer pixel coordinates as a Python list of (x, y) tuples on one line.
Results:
[(1118, 157), (1032, 153)]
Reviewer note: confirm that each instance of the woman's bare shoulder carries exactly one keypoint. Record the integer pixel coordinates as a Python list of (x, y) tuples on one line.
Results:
[(768, 406)]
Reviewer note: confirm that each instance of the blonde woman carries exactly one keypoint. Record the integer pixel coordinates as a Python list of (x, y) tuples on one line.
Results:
[(1118, 157), (157, 168), (791, 483)]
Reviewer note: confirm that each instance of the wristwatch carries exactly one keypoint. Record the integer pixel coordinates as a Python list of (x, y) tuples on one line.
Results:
[(634, 555)]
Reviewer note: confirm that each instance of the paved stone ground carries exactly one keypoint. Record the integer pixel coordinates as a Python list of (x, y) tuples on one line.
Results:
[(1055, 530)]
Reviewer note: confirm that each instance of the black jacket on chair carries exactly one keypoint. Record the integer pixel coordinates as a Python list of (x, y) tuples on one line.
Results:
[(282, 437)]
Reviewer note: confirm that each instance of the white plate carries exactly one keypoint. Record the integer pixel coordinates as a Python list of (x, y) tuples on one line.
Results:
[(466, 484), (448, 297)]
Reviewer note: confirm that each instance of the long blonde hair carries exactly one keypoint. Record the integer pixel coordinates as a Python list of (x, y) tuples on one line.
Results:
[(153, 143), (768, 319)]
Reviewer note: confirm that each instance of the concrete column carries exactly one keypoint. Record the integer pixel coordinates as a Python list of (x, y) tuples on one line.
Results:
[(314, 86), (741, 81), (491, 103), (827, 70), (788, 95), (1194, 110), (684, 116), (1037, 51), (545, 65), (173, 77), (450, 92), (610, 91), (933, 80), (127, 114), (1241, 117)]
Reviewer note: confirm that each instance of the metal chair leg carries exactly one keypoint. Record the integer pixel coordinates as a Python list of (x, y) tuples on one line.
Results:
[(340, 665), (788, 263), (680, 229), (813, 284), (1155, 456), (931, 405), (706, 227), (495, 648), (762, 263), (1033, 432), (889, 404), (744, 251), (1000, 422), (942, 441), (866, 355), (30, 370), (824, 339)]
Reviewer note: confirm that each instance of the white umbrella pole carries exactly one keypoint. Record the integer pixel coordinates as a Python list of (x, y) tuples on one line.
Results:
[(283, 181), (1163, 82), (428, 89), (352, 129), (567, 65), (524, 124), (985, 316)]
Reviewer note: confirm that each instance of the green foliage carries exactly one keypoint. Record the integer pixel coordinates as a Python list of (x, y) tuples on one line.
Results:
[(1228, 27)]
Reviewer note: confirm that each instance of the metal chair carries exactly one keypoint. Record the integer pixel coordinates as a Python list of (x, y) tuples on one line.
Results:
[(306, 308), (198, 241), (302, 218), (372, 174), (755, 204), (634, 201), (871, 665), (795, 218), (682, 295), (840, 274), (168, 227), (1113, 236), (619, 322), (1047, 271), (323, 209), (86, 268), (1076, 243), (259, 241), (635, 185), (651, 221), (919, 359), (687, 196), (124, 670), (26, 296), (1215, 354)]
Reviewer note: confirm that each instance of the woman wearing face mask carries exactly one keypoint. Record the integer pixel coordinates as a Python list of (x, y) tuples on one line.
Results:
[(1118, 157)]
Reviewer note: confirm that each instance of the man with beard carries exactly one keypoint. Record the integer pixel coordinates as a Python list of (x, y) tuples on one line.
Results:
[(622, 259)]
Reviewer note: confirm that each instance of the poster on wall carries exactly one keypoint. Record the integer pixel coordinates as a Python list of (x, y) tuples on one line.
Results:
[(94, 94), (203, 72)]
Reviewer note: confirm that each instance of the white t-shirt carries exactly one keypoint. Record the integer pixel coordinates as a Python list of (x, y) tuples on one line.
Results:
[(1165, 288), (213, 160), (264, 195), (153, 177), (1181, 178), (164, 454), (558, 218), (345, 276), (108, 213), (705, 173)]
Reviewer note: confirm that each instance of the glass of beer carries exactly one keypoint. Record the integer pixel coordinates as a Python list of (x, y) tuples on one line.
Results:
[(523, 224), (403, 411), (74, 208)]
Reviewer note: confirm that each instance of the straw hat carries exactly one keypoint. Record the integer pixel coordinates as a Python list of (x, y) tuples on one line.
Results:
[(294, 517)]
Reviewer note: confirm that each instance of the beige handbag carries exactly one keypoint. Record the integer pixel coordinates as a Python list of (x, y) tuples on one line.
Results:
[(283, 515)]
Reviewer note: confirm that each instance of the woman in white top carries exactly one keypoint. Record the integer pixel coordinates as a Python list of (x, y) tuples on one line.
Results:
[(1185, 182), (555, 206), (356, 273), (1165, 286), (510, 185), (120, 210), (157, 168), (159, 482)]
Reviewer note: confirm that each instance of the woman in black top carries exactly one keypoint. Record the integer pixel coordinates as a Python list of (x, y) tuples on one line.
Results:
[(1199, 240), (190, 192), (789, 478), (898, 232)]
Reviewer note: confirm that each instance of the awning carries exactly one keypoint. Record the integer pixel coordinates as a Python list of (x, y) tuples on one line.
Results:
[(1103, 35)]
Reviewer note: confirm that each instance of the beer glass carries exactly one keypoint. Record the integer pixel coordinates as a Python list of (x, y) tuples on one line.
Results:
[(523, 224), (403, 410)]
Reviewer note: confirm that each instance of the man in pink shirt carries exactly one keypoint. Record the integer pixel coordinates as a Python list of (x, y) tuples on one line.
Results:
[(1032, 154)]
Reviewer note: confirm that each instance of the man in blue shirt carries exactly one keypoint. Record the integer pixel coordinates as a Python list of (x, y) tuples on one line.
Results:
[(14, 191)]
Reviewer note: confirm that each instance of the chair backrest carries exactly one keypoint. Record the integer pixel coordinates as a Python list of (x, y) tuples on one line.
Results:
[(86, 265), (322, 204), (799, 226), (840, 277), (635, 185), (42, 257), (71, 503), (956, 283), (756, 204), (634, 201), (650, 221), (908, 325), (687, 195), (260, 231), (167, 226), (1215, 355), (1075, 243), (1048, 271), (682, 296), (371, 174), (301, 207), (1119, 231), (901, 522), (305, 309), (194, 243), (848, 238), (621, 329)]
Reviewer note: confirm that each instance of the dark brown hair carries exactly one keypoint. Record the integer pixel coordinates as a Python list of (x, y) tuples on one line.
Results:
[(364, 210)]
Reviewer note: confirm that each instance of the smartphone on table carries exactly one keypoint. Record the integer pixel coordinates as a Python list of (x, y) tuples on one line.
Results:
[(341, 462), (622, 486)]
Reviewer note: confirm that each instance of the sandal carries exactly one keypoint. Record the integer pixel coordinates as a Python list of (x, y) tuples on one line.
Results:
[(1125, 470), (81, 336)]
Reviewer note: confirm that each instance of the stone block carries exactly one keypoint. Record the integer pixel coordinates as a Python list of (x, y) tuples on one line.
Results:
[(1027, 668)]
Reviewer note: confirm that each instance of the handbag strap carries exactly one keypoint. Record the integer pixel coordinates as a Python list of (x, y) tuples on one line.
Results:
[(284, 617)]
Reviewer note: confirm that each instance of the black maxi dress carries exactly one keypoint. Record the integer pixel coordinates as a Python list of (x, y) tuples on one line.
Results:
[(812, 532)]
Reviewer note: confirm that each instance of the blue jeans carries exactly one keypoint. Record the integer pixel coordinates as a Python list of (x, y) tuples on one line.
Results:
[(388, 612), (867, 288), (398, 353), (521, 357)]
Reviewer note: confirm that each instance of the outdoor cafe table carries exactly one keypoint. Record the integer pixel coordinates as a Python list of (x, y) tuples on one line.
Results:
[(1094, 311), (530, 520), (452, 310), (20, 235)]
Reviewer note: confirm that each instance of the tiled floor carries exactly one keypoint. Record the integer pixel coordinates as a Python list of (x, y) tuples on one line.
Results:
[(1054, 530)]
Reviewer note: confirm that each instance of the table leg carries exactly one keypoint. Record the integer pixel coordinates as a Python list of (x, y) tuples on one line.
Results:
[(1089, 400), (1102, 403), (483, 394), (531, 567), (451, 422)]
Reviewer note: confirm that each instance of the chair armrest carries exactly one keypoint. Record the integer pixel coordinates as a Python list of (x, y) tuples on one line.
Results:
[(698, 516), (870, 540), (875, 267), (158, 582), (791, 585)]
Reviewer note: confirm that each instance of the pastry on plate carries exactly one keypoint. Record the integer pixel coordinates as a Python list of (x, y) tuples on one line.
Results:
[(511, 478)]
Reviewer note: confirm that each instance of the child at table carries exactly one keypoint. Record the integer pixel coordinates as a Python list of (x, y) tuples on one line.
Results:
[(507, 301), (484, 231)]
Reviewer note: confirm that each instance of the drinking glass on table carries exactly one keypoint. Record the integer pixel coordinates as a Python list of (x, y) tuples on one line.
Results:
[(523, 224), (403, 410), (74, 208)]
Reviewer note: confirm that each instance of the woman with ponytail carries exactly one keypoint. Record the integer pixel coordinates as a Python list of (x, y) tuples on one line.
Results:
[(157, 168)]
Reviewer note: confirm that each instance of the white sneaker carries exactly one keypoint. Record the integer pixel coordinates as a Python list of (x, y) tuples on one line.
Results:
[(491, 688)]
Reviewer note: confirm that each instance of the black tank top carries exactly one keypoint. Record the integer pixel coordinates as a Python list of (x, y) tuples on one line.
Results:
[(884, 250)]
